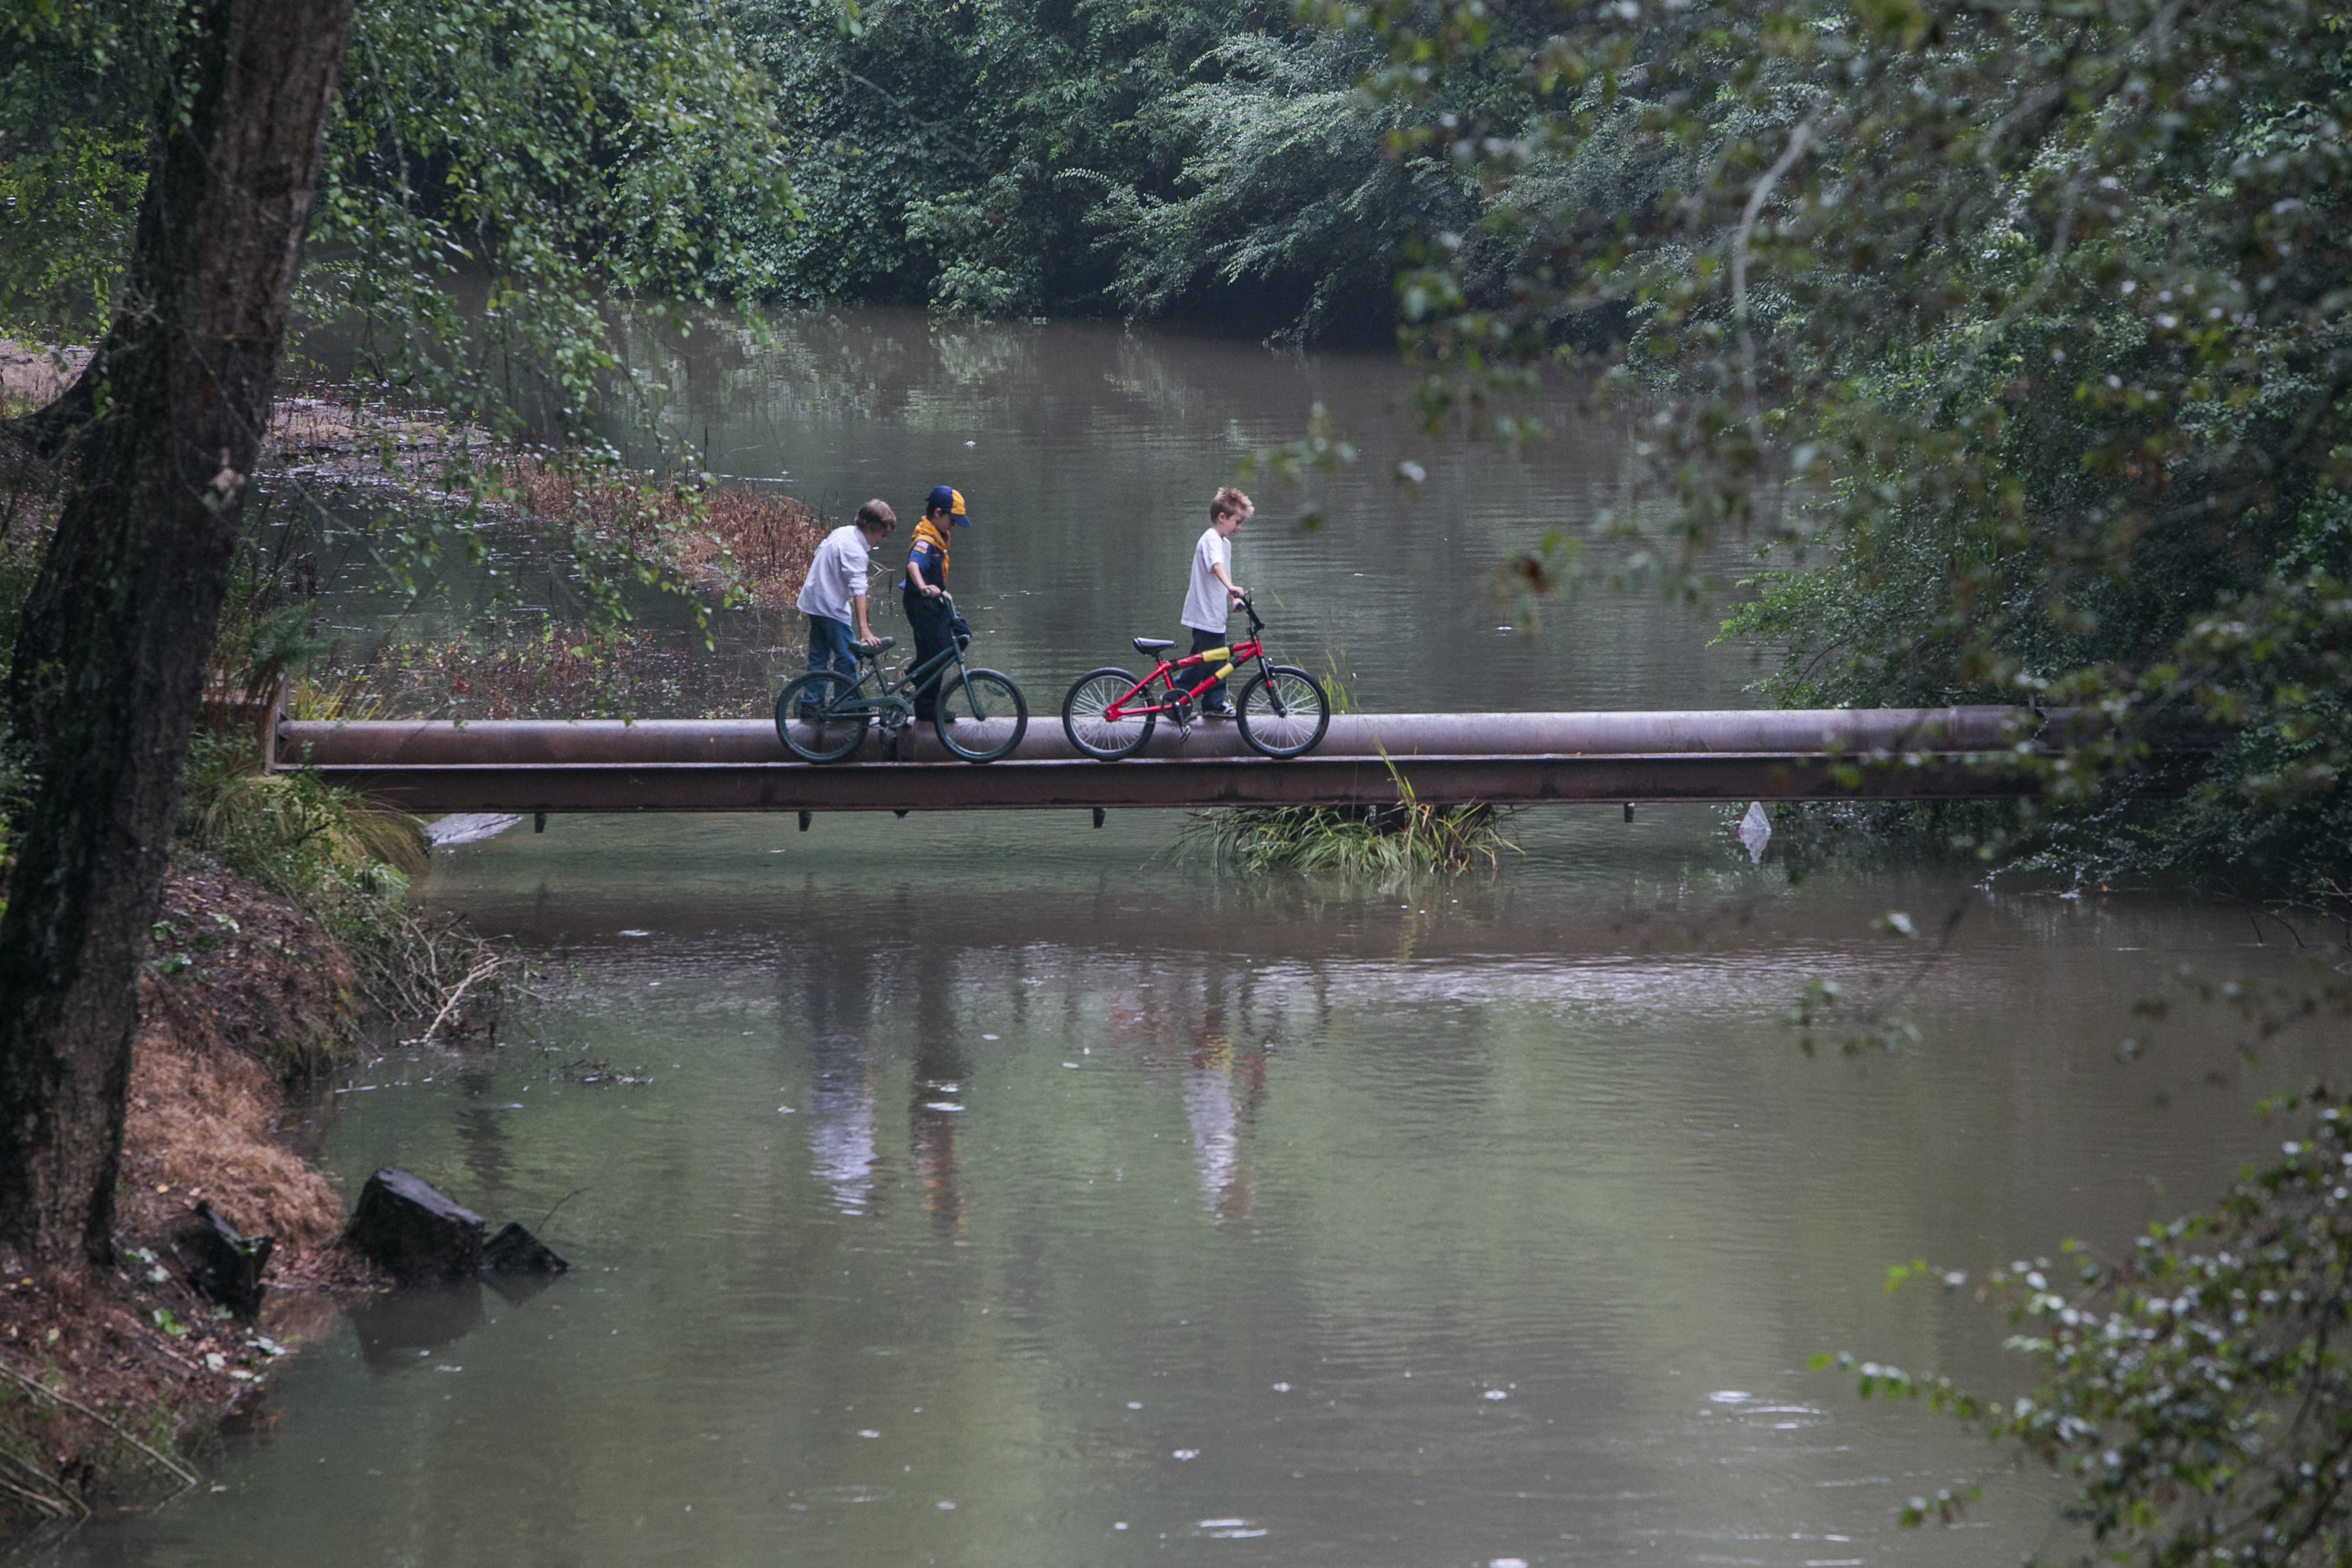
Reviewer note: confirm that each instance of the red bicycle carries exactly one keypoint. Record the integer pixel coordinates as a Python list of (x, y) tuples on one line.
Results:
[(1282, 711)]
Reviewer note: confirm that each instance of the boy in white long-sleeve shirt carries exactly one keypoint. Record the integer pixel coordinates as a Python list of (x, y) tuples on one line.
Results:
[(833, 597), (1212, 592)]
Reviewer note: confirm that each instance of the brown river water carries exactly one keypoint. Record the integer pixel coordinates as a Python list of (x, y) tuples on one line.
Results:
[(992, 1190)]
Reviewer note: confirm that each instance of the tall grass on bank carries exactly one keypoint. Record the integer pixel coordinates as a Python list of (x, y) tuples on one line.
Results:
[(347, 866)]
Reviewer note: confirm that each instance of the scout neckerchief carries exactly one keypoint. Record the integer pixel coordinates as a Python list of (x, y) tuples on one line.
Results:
[(927, 534)]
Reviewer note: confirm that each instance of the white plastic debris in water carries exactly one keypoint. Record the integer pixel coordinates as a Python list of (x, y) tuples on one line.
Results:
[(467, 828), (1755, 831)]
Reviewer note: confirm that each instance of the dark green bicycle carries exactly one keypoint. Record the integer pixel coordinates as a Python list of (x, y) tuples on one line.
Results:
[(823, 716)]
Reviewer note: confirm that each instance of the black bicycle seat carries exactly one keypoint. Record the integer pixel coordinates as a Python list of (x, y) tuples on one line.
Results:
[(1153, 644), (876, 648)]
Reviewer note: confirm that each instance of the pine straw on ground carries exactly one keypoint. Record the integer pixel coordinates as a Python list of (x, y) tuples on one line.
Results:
[(108, 1376)]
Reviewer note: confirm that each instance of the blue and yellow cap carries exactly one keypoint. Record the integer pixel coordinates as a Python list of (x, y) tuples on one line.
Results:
[(952, 500)]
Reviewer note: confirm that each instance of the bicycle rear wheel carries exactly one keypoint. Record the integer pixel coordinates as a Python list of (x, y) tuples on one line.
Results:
[(1282, 712), (1105, 739), (981, 703), (820, 718)]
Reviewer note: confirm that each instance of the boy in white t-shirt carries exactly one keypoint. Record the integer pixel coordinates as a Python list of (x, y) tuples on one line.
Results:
[(833, 597), (1212, 592)]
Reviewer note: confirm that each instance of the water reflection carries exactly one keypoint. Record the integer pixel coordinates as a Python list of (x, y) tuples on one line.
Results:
[(1223, 1086), (834, 988), (936, 1099), (481, 1130), (1243, 1229), (399, 1333)]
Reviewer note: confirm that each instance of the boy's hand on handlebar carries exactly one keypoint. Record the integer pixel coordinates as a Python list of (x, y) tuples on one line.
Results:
[(1237, 594)]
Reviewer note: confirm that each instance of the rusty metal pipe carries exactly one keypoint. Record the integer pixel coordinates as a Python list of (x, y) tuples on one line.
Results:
[(669, 764), (1313, 781), (614, 742)]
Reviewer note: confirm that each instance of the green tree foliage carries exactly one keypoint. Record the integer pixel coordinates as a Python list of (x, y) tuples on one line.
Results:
[(1209, 159), (493, 168), (2197, 1393), (2023, 329)]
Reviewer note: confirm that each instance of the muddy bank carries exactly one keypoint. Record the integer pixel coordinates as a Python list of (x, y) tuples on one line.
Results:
[(115, 1382)]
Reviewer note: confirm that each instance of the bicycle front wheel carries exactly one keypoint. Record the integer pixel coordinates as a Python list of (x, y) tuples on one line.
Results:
[(1282, 712), (1105, 739), (980, 704), (820, 718)]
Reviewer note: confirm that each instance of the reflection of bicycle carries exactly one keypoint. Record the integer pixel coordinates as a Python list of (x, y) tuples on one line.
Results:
[(824, 714), (1109, 714)]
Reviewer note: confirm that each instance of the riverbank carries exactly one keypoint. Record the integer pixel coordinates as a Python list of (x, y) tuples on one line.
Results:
[(750, 545), (115, 1381)]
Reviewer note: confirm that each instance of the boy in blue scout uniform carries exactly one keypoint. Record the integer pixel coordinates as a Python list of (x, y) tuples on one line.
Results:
[(927, 579)]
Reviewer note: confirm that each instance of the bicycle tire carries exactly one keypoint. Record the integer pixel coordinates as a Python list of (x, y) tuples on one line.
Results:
[(981, 696), (1083, 722), (832, 736), (1284, 699)]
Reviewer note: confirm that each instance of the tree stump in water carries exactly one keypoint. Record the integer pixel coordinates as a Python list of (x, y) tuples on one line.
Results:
[(414, 1233), (223, 1266), (515, 1251)]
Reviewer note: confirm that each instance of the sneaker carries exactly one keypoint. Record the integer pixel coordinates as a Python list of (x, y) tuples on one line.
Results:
[(948, 719), (1224, 710)]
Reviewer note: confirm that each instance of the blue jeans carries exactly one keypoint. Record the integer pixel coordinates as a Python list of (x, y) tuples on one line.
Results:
[(1213, 699), (833, 645)]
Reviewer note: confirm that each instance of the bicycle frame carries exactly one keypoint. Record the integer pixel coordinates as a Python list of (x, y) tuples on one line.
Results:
[(888, 703), (1230, 656)]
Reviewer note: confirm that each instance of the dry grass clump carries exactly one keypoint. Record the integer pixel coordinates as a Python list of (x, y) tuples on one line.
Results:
[(201, 1120), (32, 374), (564, 672), (106, 1375), (771, 539), (244, 991), (753, 541)]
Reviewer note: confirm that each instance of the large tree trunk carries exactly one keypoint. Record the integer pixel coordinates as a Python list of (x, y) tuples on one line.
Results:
[(110, 659)]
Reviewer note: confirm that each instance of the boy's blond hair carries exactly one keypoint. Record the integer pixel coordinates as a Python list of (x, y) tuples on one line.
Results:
[(1229, 502)]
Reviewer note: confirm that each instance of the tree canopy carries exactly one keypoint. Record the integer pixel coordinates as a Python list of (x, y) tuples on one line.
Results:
[(2019, 331)]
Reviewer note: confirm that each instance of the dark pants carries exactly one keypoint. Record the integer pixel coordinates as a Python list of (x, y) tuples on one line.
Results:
[(832, 645), (1213, 699), (935, 632)]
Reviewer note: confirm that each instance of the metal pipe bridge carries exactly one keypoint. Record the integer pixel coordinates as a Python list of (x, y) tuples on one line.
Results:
[(430, 767)]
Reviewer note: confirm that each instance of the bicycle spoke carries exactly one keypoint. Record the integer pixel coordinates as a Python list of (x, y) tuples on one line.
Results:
[(1086, 714), (1283, 714)]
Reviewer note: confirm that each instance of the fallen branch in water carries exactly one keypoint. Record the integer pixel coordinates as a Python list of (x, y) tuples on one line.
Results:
[(51, 1500), (481, 971)]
